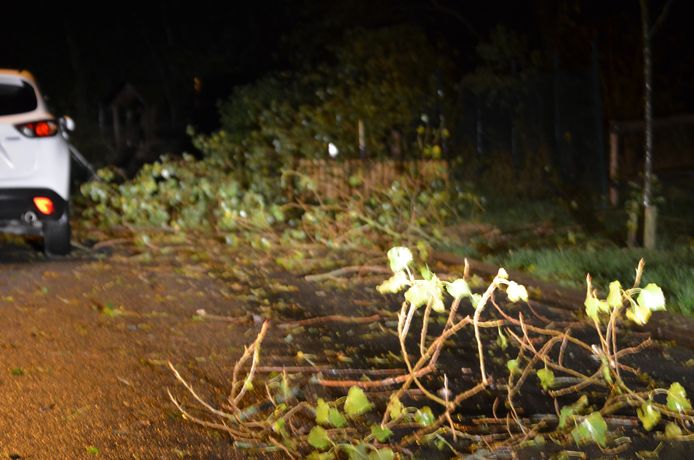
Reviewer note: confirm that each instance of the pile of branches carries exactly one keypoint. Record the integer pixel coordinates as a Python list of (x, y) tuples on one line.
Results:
[(192, 195), (276, 413)]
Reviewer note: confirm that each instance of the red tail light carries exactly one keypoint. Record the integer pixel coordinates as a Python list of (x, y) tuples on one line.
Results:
[(44, 205), (42, 128)]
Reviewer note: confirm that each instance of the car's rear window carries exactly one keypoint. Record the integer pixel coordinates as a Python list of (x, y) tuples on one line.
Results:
[(17, 98)]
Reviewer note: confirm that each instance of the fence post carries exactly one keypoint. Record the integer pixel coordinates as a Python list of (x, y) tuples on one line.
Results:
[(614, 166), (362, 139)]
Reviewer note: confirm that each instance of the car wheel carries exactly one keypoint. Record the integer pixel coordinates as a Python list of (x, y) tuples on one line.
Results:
[(56, 237)]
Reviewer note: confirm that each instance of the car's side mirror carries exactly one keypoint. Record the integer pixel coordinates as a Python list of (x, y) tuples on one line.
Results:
[(67, 123)]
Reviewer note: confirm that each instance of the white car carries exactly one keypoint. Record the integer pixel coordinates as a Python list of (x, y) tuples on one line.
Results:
[(34, 164)]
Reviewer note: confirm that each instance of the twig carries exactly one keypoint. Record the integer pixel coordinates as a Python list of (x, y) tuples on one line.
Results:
[(254, 351), (331, 318), (376, 383), (347, 271)]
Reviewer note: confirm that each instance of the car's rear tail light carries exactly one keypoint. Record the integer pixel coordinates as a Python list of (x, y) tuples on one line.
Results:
[(42, 128), (44, 205)]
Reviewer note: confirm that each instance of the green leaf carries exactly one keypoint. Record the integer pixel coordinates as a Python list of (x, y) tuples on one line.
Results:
[(384, 453), (322, 411), (592, 428), (501, 340), (651, 297), (423, 292), (358, 452), (458, 289), (418, 294), (381, 433), (512, 366), (424, 416), (357, 403), (677, 398), (399, 258), (649, 415), (336, 418), (395, 408), (319, 438), (315, 455), (594, 306), (672, 430), (614, 298), (546, 377), (638, 314), (569, 411), (91, 450), (516, 292), (279, 427), (394, 284)]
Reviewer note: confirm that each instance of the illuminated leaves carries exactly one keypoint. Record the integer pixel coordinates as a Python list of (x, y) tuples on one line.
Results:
[(614, 298), (649, 415), (516, 292), (319, 438), (677, 398), (424, 416), (592, 429), (394, 284), (381, 433), (399, 258), (326, 415), (568, 412), (458, 289), (357, 403), (546, 377)]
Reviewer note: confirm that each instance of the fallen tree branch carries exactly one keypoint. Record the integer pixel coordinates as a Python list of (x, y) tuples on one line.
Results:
[(331, 319), (347, 271)]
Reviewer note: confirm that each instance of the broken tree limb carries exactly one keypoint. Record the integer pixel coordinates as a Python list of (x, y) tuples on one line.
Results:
[(331, 319)]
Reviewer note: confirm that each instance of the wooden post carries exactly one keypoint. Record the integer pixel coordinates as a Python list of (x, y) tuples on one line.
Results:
[(614, 167), (650, 217), (361, 139), (116, 126)]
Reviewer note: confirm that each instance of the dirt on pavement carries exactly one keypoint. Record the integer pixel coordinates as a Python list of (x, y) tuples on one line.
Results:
[(84, 345)]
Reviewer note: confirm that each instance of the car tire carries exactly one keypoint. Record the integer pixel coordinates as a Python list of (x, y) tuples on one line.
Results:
[(56, 237)]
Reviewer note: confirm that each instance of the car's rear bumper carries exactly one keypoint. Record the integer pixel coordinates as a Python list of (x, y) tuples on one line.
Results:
[(17, 207)]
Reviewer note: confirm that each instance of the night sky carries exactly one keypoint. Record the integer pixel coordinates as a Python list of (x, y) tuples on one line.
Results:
[(81, 54)]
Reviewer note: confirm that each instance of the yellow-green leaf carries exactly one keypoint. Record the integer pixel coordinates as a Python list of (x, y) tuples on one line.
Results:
[(381, 433), (394, 284), (614, 298), (651, 297), (672, 430), (512, 366), (424, 416), (594, 306), (677, 398), (501, 340), (319, 438), (592, 428), (649, 415), (546, 377), (384, 453), (458, 289), (322, 410), (395, 408), (315, 455), (569, 411), (516, 292), (399, 258), (335, 418), (357, 403)]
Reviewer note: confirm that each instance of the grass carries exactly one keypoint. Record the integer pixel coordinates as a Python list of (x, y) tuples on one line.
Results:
[(673, 269), (565, 251)]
